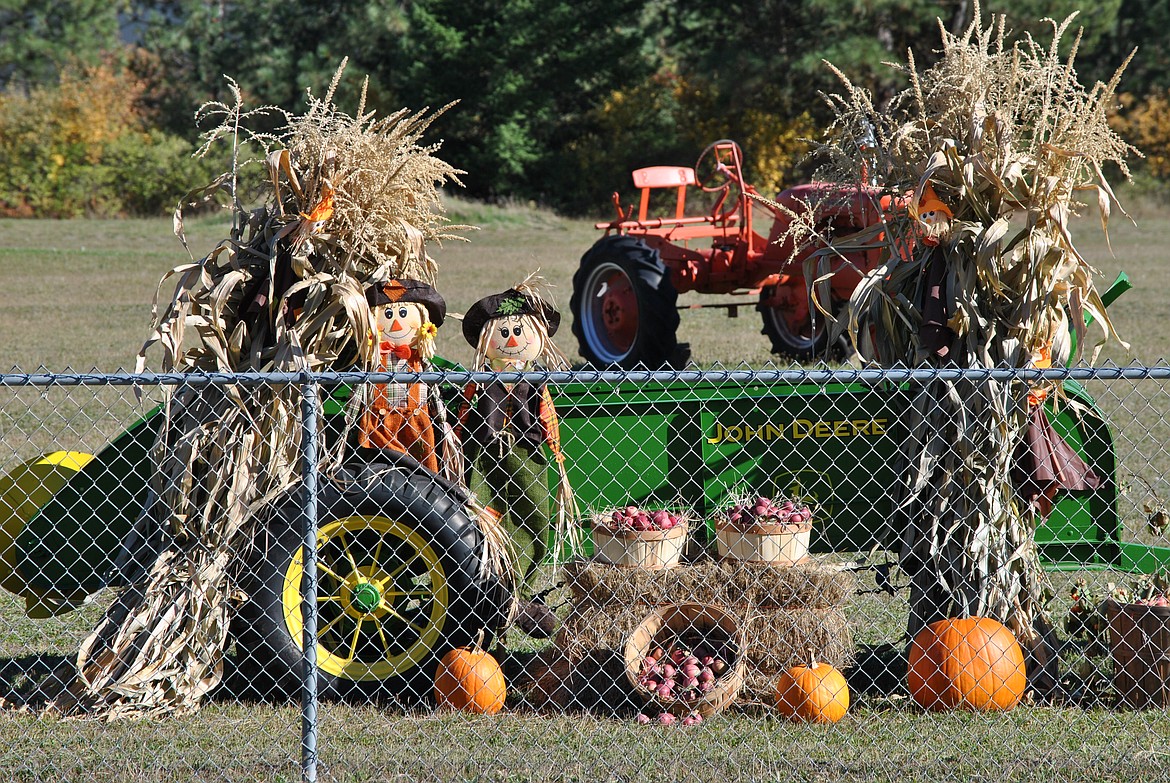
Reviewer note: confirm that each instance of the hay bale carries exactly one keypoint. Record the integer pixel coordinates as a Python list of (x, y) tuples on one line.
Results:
[(775, 640), (724, 583), (779, 640), (784, 612)]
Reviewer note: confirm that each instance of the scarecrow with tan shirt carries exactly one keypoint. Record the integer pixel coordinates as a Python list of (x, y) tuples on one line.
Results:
[(506, 425)]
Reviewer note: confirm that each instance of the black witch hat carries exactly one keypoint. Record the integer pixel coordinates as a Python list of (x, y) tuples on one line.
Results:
[(510, 302)]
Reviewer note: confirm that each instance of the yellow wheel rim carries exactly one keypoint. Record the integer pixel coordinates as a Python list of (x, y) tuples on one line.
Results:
[(381, 598)]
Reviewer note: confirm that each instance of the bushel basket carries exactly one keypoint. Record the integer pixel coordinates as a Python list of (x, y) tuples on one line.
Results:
[(655, 550), (691, 628), (1139, 644), (774, 543)]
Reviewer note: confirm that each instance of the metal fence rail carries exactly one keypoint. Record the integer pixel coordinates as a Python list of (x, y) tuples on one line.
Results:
[(240, 561)]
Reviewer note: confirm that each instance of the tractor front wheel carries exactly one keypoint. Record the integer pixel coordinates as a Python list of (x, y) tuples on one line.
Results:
[(623, 306)]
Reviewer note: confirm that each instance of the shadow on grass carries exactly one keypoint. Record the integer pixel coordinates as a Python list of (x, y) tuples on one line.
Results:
[(878, 670), (30, 680), (537, 682)]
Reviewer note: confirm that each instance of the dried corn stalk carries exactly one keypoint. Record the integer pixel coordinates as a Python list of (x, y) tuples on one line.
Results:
[(1002, 137), (353, 200)]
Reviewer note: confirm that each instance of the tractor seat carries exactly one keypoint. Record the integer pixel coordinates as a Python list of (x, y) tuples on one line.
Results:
[(653, 177)]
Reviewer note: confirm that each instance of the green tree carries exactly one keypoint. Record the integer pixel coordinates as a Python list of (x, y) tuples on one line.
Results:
[(1097, 21), (39, 37), (775, 50), (273, 50), (527, 74), (1144, 24)]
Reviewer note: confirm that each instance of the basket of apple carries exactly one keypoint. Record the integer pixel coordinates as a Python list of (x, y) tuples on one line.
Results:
[(686, 660), (640, 538), (763, 530)]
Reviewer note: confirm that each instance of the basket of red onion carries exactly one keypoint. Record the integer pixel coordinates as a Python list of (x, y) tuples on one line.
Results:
[(632, 536), (762, 530), (687, 659)]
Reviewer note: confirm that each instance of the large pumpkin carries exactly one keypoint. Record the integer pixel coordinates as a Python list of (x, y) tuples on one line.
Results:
[(471, 681), (973, 663), (816, 693)]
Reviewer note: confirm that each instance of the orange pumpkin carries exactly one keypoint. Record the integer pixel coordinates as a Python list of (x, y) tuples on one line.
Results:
[(973, 663), (816, 693), (471, 681)]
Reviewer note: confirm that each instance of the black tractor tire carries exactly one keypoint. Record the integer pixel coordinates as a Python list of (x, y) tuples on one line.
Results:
[(804, 346), (623, 306), (400, 583)]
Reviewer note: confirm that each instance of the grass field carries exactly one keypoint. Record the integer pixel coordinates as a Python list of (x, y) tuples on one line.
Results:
[(68, 280), (76, 294)]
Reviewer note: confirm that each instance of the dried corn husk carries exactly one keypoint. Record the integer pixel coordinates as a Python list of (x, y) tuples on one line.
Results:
[(1006, 137), (353, 201)]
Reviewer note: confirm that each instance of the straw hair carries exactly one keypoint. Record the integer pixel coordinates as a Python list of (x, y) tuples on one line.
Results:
[(535, 287)]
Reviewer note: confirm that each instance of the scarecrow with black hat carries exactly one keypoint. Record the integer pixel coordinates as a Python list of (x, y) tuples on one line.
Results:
[(403, 416), (505, 425)]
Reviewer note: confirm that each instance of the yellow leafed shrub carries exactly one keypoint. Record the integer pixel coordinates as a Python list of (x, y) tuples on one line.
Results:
[(1145, 123), (84, 147), (773, 144)]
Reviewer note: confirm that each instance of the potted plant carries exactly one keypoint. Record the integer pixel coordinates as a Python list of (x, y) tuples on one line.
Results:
[(1139, 643), (1132, 623)]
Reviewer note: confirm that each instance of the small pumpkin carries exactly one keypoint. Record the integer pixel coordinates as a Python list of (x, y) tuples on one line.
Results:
[(471, 681), (972, 663), (816, 693)]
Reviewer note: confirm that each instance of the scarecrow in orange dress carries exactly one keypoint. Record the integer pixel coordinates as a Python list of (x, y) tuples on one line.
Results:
[(505, 426), (404, 416)]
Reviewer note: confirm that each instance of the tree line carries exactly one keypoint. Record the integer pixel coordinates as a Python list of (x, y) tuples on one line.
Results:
[(555, 101)]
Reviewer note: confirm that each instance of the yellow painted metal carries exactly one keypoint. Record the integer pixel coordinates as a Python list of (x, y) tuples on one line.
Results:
[(357, 640), (22, 493)]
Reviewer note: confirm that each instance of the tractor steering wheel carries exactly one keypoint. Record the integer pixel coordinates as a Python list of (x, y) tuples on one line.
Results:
[(716, 176)]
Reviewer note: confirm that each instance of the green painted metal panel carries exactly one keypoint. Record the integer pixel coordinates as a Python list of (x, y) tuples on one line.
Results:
[(700, 445), (72, 541), (657, 445), (1142, 558), (834, 449)]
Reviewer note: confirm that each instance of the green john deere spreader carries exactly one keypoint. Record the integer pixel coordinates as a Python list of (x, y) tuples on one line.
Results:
[(695, 443)]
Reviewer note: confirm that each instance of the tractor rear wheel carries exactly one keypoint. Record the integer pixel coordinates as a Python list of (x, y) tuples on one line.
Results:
[(803, 339), (400, 582), (623, 306)]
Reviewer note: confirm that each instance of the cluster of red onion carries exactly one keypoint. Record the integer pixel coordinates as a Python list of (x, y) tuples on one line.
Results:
[(763, 509), (634, 518), (682, 674)]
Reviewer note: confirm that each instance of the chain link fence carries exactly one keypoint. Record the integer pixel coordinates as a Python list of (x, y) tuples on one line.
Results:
[(737, 557)]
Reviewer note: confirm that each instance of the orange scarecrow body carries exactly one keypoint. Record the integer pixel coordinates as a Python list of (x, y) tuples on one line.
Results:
[(397, 415)]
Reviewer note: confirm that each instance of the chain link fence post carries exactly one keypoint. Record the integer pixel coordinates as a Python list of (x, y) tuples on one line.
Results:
[(309, 389)]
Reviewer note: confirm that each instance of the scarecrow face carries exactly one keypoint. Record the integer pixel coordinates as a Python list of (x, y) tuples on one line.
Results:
[(932, 218), (512, 339), (399, 322)]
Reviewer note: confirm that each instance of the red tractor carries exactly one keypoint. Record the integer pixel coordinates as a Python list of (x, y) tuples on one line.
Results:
[(625, 291)]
